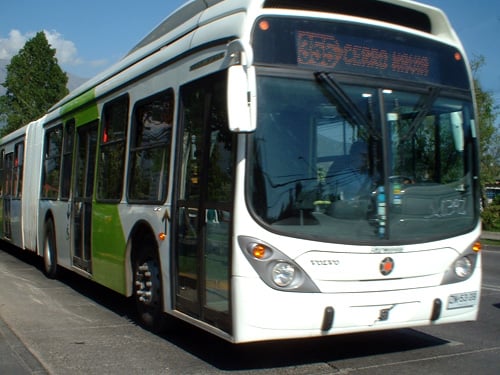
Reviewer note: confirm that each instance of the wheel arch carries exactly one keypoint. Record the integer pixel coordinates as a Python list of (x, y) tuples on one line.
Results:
[(49, 246), (49, 216), (141, 233)]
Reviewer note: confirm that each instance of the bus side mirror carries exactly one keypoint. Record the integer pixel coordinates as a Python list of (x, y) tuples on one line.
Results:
[(241, 99)]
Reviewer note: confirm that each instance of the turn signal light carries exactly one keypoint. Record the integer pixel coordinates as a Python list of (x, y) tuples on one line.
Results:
[(477, 246), (259, 251)]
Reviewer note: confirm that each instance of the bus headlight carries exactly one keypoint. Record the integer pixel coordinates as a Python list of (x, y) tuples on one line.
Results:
[(463, 267), (283, 274), (275, 268)]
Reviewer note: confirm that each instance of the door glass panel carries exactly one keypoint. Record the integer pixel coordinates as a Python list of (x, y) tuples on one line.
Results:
[(82, 209), (204, 204), (189, 199), (7, 230), (219, 152), (216, 260), (67, 158)]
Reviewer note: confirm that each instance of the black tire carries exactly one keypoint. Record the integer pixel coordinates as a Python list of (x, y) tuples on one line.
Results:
[(148, 289), (50, 250)]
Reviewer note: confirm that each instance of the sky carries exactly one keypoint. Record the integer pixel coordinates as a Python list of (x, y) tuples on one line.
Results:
[(91, 35)]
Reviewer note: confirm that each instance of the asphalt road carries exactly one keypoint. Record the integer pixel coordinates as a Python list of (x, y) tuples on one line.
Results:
[(72, 326)]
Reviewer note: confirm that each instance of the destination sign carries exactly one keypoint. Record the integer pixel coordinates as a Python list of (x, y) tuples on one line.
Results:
[(326, 50), (360, 49), (316, 49)]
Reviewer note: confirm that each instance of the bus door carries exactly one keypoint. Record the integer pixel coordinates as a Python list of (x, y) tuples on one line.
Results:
[(8, 161), (2, 192), (202, 251), (86, 142)]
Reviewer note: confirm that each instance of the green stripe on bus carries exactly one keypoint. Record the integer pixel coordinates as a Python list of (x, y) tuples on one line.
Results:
[(108, 247), (81, 100)]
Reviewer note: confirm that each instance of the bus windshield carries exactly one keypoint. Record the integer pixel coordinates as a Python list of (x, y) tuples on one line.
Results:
[(345, 162)]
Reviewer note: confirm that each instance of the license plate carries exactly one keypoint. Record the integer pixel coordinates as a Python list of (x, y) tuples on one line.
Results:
[(461, 300)]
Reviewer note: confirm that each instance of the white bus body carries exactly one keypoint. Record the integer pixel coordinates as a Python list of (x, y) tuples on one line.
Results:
[(200, 174)]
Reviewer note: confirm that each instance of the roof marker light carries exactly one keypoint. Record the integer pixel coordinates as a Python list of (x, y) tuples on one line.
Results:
[(264, 25)]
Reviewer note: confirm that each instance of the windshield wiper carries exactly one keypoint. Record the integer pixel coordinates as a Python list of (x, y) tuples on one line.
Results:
[(352, 111), (423, 108)]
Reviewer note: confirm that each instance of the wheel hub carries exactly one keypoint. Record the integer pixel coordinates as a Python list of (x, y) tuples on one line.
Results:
[(145, 283)]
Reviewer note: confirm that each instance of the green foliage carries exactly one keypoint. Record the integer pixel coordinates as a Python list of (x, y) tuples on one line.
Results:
[(489, 135), (34, 83), (491, 216)]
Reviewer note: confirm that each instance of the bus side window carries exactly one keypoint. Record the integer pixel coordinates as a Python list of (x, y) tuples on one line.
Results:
[(18, 170), (150, 148), (2, 171), (112, 149), (51, 163)]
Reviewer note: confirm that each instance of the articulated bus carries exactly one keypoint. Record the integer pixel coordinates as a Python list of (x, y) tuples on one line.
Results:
[(265, 169)]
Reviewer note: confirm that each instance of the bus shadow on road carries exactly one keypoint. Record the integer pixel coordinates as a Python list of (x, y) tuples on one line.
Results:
[(290, 353)]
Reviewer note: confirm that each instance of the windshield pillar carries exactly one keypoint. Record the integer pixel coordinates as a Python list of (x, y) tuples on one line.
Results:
[(385, 122)]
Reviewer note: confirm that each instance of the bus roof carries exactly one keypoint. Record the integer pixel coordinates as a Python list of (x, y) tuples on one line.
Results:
[(196, 13)]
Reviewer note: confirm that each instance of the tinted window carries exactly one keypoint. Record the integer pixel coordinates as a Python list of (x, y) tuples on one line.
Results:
[(112, 149), (150, 148)]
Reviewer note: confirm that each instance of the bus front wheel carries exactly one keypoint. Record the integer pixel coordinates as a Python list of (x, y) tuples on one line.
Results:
[(49, 251), (148, 289)]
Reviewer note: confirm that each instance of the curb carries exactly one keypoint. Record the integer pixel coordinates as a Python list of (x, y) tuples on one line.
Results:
[(486, 235), (15, 356)]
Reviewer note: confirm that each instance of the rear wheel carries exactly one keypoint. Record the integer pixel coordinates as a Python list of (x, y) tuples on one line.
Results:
[(148, 290), (49, 250)]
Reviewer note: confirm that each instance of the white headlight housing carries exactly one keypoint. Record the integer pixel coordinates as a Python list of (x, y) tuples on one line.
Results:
[(461, 269), (275, 268)]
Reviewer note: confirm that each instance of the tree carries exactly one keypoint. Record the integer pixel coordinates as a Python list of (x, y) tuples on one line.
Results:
[(491, 215), (489, 147), (489, 134), (34, 83)]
